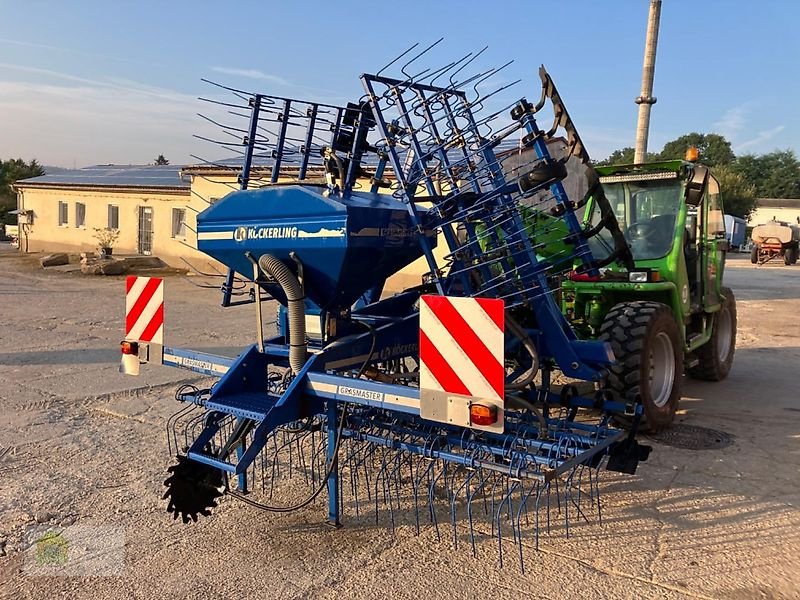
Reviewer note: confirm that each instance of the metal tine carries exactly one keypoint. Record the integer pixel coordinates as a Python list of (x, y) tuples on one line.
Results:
[(535, 486), (455, 87), (221, 125), (171, 425), (466, 58), (470, 498), (425, 51), (387, 482), (454, 84), (391, 100), (397, 459), (432, 495), (452, 493), (539, 487), (505, 500), (426, 474), (394, 60), (576, 502), (355, 449), (449, 137), (362, 452), (228, 145), (597, 492), (435, 74), (444, 93), (491, 73), (508, 130), (498, 480), (301, 459), (268, 99), (383, 452), (192, 424), (225, 87), (479, 103), (222, 103), (275, 463), (412, 461)]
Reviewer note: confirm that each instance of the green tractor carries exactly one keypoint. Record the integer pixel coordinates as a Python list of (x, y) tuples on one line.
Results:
[(667, 312)]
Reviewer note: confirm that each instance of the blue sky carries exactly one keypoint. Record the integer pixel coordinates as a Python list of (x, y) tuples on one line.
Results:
[(116, 82)]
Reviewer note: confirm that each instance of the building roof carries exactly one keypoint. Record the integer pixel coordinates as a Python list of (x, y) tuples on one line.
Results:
[(793, 203), (165, 177)]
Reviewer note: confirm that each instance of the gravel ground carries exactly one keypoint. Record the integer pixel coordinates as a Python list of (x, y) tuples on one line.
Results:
[(83, 448)]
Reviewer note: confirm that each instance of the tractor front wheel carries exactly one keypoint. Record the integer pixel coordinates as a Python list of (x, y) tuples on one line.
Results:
[(647, 345), (716, 356), (754, 255)]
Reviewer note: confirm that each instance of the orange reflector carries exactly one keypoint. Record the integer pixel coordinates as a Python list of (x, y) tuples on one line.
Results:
[(482, 414), (655, 276), (692, 154), (129, 347)]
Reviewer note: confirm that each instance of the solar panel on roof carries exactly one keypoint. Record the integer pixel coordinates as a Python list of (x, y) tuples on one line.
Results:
[(117, 175)]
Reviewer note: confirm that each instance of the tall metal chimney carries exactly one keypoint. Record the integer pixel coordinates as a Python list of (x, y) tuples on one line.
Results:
[(646, 99)]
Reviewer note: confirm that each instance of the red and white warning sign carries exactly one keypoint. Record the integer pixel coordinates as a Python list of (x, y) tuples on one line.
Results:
[(144, 309), (461, 347)]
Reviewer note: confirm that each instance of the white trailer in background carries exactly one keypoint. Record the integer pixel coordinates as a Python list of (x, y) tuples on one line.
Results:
[(773, 239)]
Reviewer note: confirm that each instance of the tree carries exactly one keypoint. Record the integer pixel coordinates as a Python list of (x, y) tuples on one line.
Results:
[(739, 196), (774, 175), (160, 160), (13, 170), (714, 149), (623, 157)]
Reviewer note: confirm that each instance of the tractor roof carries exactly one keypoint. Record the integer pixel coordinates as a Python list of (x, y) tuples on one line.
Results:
[(674, 166)]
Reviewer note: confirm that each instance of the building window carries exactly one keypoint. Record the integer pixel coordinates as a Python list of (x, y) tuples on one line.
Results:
[(178, 222), (80, 214), (113, 216), (63, 214)]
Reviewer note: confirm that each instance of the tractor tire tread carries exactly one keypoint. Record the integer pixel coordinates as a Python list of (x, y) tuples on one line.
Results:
[(708, 367), (626, 328)]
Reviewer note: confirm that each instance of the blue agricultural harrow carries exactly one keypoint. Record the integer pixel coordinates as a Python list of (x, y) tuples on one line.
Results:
[(442, 394)]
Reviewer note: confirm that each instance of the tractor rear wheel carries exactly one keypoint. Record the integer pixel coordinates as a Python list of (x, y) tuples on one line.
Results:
[(754, 255), (716, 355), (647, 345)]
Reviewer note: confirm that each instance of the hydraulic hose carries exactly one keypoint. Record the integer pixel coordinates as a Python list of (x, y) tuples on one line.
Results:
[(527, 343), (298, 346)]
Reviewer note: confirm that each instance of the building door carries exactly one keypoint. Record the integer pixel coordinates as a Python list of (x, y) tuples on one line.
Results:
[(146, 230)]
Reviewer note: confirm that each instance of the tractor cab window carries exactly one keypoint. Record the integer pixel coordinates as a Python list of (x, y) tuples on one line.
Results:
[(716, 220), (646, 212)]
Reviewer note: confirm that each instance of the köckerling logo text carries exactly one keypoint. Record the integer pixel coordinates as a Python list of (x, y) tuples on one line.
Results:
[(264, 233)]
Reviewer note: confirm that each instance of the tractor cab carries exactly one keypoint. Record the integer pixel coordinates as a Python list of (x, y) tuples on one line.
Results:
[(665, 304), (671, 216)]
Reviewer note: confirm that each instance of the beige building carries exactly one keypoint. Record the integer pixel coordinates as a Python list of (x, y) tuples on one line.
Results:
[(778, 209), (148, 205)]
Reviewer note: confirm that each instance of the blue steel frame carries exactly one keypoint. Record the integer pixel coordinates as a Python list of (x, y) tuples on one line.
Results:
[(324, 391), (576, 358)]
